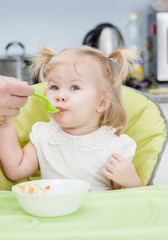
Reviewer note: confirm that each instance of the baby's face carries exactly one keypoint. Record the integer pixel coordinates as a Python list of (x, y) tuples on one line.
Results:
[(75, 90)]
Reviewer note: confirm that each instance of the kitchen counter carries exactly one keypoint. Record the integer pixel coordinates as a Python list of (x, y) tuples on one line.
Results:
[(159, 92)]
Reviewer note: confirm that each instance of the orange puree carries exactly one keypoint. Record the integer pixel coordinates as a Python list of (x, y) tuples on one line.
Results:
[(33, 190), (22, 188)]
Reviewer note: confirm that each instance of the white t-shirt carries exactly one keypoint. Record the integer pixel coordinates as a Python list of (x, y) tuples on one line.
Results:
[(62, 155)]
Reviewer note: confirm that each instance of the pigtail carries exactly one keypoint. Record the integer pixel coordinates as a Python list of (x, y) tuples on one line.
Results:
[(125, 59), (40, 62), (117, 71)]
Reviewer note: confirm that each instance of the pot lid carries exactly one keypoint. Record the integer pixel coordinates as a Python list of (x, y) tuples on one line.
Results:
[(15, 57)]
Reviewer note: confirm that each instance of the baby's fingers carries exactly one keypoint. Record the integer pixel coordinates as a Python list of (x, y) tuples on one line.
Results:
[(110, 167), (107, 174), (114, 162), (118, 157)]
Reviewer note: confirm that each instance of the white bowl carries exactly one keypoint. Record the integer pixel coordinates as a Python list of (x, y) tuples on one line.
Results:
[(51, 197)]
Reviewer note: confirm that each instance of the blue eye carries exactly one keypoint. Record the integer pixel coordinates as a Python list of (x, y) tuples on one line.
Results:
[(74, 88), (54, 88)]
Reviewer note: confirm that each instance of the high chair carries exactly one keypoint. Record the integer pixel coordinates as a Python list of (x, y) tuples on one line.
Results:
[(147, 125)]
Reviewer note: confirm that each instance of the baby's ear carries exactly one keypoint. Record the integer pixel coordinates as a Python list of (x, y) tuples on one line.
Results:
[(104, 102)]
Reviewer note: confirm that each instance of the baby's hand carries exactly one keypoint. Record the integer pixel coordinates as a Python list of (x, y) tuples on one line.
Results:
[(122, 172)]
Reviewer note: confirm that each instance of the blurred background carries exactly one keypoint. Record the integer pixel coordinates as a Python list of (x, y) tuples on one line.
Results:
[(64, 23)]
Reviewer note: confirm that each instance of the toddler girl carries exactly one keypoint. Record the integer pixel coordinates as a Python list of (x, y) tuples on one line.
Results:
[(84, 139)]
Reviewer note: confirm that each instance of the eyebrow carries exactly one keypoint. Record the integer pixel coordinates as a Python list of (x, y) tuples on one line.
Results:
[(77, 80), (70, 80), (50, 81)]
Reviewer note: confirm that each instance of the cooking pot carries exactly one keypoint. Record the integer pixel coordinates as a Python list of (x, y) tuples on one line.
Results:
[(106, 37), (17, 66)]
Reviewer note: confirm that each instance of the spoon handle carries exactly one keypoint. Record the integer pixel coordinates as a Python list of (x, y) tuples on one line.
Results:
[(40, 95)]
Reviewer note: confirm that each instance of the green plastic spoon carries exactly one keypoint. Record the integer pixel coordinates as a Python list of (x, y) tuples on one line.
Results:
[(49, 106)]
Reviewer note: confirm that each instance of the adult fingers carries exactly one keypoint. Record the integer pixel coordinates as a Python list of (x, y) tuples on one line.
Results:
[(16, 102), (13, 86), (10, 113), (10, 106), (13, 112), (21, 89)]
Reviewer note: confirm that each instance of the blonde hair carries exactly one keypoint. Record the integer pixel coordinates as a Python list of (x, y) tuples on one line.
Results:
[(115, 69)]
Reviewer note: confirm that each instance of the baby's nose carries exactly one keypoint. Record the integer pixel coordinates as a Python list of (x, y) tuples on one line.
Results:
[(60, 97)]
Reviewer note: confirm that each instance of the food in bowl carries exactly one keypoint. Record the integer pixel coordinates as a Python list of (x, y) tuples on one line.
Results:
[(29, 188), (51, 197)]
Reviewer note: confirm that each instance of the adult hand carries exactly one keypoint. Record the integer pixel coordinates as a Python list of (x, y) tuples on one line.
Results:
[(13, 96)]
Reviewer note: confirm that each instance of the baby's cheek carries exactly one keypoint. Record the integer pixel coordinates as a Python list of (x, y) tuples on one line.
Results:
[(51, 98), (48, 94)]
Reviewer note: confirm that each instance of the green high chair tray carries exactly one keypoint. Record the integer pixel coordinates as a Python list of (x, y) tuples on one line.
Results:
[(128, 214)]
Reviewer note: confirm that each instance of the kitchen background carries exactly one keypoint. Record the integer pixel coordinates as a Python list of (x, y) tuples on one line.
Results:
[(63, 24)]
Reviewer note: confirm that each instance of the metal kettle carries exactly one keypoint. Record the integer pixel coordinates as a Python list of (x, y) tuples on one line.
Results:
[(106, 37)]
